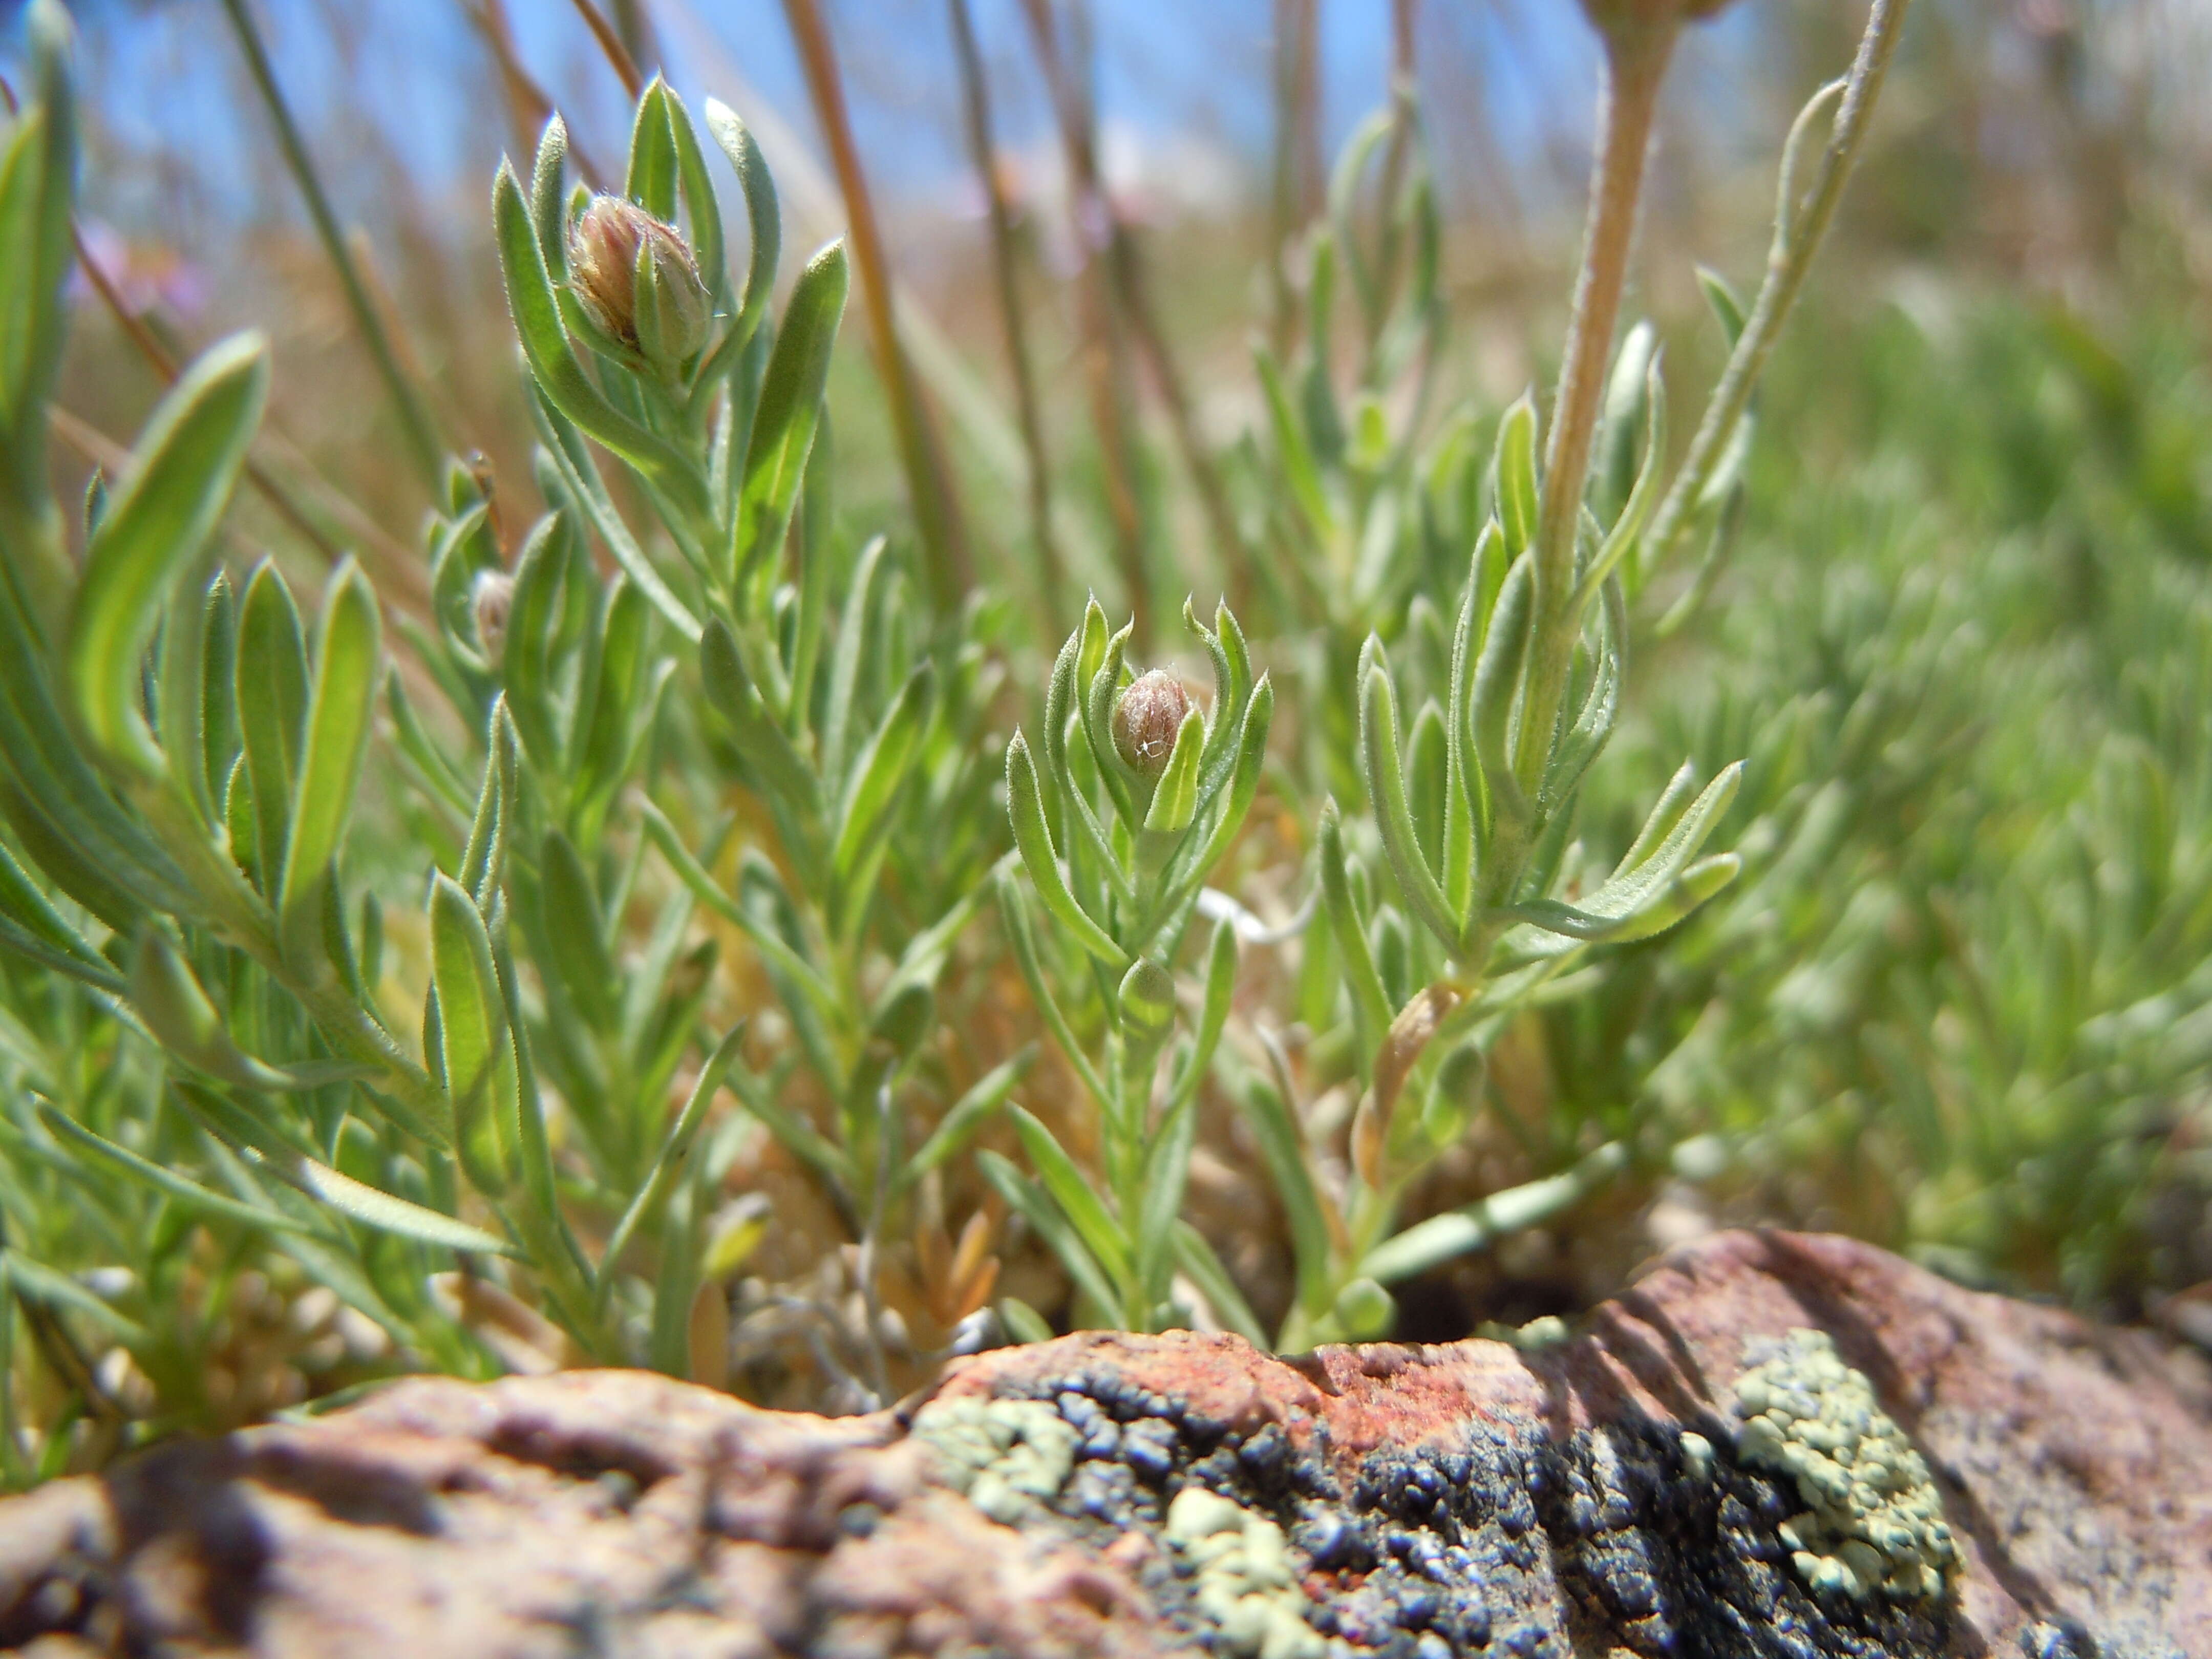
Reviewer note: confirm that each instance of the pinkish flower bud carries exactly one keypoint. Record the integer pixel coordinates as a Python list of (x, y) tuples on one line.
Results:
[(491, 600), (637, 280), (1147, 720)]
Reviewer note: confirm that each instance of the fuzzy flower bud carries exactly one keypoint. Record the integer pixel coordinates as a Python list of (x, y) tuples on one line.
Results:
[(637, 280), (490, 601), (1146, 719)]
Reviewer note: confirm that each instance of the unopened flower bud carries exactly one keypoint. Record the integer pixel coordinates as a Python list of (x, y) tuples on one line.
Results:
[(490, 601), (636, 279), (1148, 1004), (1146, 719)]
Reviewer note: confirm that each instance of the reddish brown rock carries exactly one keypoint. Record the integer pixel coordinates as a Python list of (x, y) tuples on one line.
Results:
[(1472, 1498)]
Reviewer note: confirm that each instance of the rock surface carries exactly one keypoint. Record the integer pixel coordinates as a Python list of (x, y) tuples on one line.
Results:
[(1583, 1497)]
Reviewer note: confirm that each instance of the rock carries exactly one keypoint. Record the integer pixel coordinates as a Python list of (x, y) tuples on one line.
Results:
[(1576, 1497)]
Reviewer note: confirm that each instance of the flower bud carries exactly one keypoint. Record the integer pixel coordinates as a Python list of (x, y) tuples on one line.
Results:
[(490, 601), (1148, 1004), (637, 280), (1146, 722)]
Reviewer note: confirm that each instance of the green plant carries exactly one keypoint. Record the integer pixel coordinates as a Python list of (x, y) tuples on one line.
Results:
[(1149, 791), (576, 963), (1492, 907)]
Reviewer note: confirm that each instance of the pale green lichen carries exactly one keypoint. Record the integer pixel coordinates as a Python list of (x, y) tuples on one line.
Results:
[(1873, 1521), (1004, 1454), (1245, 1585), (1696, 1457), (1546, 1331)]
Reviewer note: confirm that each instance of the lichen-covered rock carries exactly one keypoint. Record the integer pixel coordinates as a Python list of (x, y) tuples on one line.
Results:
[(1111, 1495), (1873, 1521)]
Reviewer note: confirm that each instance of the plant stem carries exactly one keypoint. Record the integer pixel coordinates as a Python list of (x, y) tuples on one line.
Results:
[(1102, 361), (936, 509), (611, 45), (1797, 236), (1635, 64), (415, 418), (976, 106)]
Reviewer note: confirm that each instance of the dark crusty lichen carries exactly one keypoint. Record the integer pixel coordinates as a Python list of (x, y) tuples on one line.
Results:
[(1502, 1538)]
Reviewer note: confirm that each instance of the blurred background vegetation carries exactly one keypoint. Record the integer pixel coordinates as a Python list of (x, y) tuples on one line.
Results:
[(1960, 999)]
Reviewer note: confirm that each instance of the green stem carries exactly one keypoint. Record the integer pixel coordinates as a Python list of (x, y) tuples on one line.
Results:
[(1797, 236), (1636, 64), (414, 415)]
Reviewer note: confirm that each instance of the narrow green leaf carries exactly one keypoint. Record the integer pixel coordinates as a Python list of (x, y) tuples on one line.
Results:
[(1167, 1168), (37, 177), (802, 973), (1497, 676), (1022, 1322), (159, 519), (1194, 859), (1300, 471), (1029, 1199), (621, 708), (966, 1117), (1197, 1259), (38, 1282), (271, 685), (473, 1045), (1386, 788), (1014, 914), (1102, 1235), (347, 641), (1428, 764), (1516, 462), (576, 932), (1213, 1015), (549, 205), (218, 690), (763, 221), (697, 189), (373, 1207), (1622, 540), (731, 688), (651, 181), (1058, 708), (483, 859), (668, 1162), (59, 854), (879, 770), (176, 1009), (23, 903), (254, 1140), (1636, 907), (1282, 1148), (167, 1183), (1371, 1007), (578, 475), (1175, 797), (1720, 294), (789, 411), (1025, 805)]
